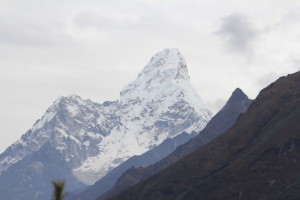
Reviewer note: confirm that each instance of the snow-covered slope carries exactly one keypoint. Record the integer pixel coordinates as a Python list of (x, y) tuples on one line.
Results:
[(72, 125), (94, 138), (159, 104)]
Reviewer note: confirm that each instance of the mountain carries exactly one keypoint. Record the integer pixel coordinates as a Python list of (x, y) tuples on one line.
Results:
[(73, 126), (150, 157), (159, 104), (257, 158), (222, 121), (94, 138), (26, 178)]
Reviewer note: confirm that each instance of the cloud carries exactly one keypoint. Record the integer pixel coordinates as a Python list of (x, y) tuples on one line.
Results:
[(267, 79), (290, 19), (295, 63), (94, 20), (238, 33), (50, 48), (32, 32), (148, 22)]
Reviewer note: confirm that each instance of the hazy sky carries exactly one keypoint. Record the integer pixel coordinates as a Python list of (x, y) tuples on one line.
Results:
[(93, 48)]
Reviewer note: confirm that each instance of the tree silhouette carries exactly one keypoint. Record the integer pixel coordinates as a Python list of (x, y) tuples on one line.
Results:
[(58, 192)]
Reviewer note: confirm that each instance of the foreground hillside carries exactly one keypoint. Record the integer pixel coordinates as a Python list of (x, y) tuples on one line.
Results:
[(258, 158)]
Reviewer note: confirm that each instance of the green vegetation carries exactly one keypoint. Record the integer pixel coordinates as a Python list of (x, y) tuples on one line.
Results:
[(58, 193)]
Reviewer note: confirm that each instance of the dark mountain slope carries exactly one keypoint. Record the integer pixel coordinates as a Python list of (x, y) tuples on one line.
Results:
[(146, 159), (224, 119), (258, 158)]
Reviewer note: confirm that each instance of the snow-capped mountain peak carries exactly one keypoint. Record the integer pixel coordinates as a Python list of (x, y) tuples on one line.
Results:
[(167, 64), (94, 138), (72, 125), (72, 105), (164, 69), (160, 103)]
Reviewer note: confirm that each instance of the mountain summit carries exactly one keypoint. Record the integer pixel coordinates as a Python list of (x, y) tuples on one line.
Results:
[(165, 79), (159, 104), (164, 68), (95, 138)]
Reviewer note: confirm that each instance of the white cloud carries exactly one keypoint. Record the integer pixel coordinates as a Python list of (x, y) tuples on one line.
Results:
[(238, 33), (267, 79), (50, 48)]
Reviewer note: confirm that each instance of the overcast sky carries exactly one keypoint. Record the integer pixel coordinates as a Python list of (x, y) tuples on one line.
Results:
[(93, 48)]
